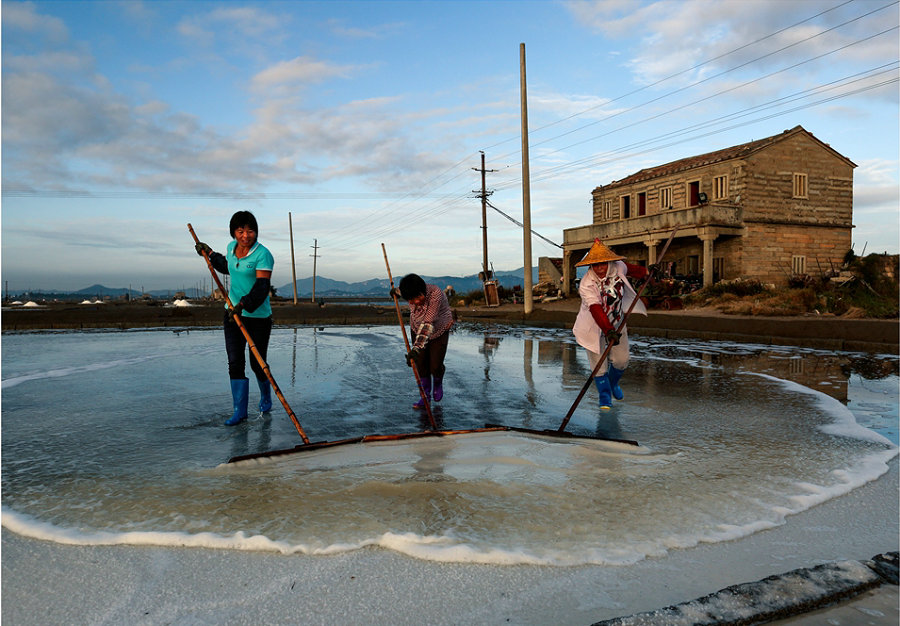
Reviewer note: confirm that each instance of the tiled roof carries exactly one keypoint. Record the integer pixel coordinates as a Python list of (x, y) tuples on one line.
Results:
[(717, 156)]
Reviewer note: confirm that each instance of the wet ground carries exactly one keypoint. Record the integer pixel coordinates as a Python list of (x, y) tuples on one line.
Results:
[(123, 432)]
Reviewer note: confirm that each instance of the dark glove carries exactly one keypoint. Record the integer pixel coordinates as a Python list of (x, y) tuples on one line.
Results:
[(237, 310), (412, 355), (655, 272), (202, 247), (612, 337)]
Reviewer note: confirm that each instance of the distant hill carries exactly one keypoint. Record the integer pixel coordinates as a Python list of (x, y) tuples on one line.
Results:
[(381, 286), (324, 287)]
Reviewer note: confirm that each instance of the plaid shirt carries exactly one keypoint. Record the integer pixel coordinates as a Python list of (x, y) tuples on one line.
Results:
[(432, 318)]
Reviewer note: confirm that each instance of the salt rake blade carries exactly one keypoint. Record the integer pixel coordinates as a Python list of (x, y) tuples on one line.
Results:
[(318, 445), (561, 434)]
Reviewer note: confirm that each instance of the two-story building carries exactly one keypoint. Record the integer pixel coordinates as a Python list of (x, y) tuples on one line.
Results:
[(768, 209)]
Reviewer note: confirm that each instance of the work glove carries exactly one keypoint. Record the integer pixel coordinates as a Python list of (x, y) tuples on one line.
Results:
[(411, 356), (613, 336), (202, 247), (655, 272), (237, 310)]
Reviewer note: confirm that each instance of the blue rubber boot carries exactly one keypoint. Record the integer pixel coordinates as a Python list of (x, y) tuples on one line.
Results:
[(438, 391), (240, 388), (614, 376), (426, 387), (603, 390), (265, 395)]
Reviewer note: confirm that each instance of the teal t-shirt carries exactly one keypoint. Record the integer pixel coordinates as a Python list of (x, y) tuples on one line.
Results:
[(243, 275)]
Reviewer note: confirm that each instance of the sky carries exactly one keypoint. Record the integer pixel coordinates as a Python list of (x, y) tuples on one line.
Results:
[(355, 124)]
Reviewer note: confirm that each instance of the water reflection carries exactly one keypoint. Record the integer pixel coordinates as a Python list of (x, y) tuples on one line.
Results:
[(827, 372), (726, 445)]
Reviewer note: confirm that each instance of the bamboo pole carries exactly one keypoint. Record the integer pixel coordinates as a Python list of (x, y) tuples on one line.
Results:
[(253, 349), (609, 346), (406, 341)]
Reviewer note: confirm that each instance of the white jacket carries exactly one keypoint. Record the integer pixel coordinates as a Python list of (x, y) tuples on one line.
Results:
[(587, 332)]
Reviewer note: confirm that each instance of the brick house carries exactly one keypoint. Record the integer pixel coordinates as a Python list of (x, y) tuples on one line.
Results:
[(768, 209)]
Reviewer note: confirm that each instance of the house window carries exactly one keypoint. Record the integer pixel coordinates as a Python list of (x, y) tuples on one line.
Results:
[(665, 198), (693, 193), (693, 264), (642, 203), (625, 207), (801, 186), (607, 210), (798, 264), (720, 187), (718, 269)]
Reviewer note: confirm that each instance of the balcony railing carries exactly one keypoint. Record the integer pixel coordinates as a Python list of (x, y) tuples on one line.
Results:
[(705, 215)]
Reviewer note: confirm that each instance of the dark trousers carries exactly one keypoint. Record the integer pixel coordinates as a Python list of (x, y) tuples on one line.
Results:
[(259, 329), (431, 361)]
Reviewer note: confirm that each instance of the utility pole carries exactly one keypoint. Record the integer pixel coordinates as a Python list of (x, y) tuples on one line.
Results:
[(293, 265), (484, 196), (526, 184), (314, 255)]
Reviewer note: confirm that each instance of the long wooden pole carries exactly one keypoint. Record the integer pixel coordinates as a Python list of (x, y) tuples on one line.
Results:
[(484, 238), (609, 346), (293, 265), (253, 349), (526, 184), (406, 341)]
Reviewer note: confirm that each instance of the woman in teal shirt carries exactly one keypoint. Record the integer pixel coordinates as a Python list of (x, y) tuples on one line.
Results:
[(249, 264)]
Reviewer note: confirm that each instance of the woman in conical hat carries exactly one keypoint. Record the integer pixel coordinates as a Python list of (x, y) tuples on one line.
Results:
[(606, 295)]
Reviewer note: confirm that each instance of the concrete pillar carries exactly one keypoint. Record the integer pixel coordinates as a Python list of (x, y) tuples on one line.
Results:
[(567, 273), (707, 238), (651, 250)]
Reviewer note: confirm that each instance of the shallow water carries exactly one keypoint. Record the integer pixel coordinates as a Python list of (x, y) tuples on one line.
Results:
[(118, 437)]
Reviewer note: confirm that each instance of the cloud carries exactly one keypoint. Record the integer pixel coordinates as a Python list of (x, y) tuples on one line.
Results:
[(250, 22), (296, 73), (377, 31), (704, 35), (236, 32), (22, 17)]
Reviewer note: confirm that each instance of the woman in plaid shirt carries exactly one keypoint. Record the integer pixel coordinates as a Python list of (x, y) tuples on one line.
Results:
[(430, 319)]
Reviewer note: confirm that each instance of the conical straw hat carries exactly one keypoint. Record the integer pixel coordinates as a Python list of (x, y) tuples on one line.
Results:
[(599, 253)]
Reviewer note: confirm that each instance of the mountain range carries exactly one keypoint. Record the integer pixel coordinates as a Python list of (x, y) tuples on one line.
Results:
[(325, 287)]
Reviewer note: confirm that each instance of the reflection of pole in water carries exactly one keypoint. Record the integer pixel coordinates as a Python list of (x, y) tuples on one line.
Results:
[(708, 360), (294, 361), (528, 357), (487, 349), (528, 360), (573, 372)]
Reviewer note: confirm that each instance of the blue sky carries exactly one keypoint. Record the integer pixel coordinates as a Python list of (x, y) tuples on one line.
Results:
[(124, 121)]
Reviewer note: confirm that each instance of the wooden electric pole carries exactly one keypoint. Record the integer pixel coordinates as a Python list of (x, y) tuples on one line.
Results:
[(484, 238), (314, 255), (293, 265), (526, 184)]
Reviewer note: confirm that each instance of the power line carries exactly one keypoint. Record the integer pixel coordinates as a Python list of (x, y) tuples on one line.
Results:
[(714, 76), (679, 73), (744, 112), (521, 225), (569, 166), (405, 209)]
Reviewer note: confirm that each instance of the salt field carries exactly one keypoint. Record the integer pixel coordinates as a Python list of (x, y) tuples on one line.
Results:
[(118, 438)]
